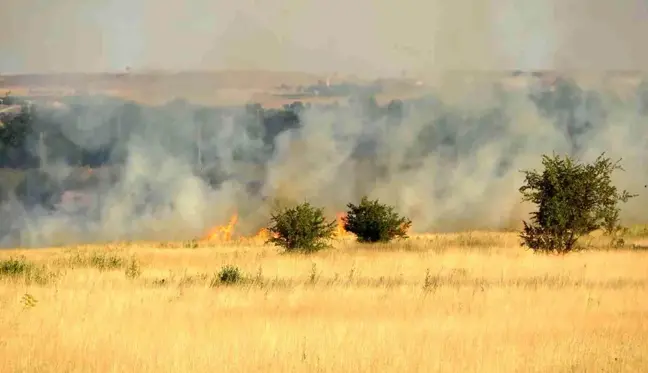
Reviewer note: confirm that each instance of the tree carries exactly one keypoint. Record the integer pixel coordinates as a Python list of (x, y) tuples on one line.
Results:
[(14, 131), (372, 221), (300, 228), (573, 200)]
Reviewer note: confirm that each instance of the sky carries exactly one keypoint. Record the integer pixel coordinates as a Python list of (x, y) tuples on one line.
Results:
[(381, 37)]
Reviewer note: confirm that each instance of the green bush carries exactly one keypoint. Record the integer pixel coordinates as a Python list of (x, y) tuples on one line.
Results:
[(372, 221), (229, 275), (14, 267), (573, 199), (301, 228)]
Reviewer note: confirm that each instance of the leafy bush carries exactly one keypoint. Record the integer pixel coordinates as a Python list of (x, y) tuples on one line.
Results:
[(372, 221), (573, 200), (13, 267), (302, 228), (229, 275)]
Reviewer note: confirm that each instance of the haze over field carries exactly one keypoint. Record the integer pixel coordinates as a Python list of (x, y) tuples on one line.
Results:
[(449, 161), (362, 37)]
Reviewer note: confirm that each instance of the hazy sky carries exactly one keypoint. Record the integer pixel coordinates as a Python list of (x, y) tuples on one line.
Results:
[(357, 36)]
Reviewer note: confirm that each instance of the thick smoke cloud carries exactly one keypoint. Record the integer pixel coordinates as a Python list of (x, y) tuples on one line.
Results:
[(449, 160), (448, 163)]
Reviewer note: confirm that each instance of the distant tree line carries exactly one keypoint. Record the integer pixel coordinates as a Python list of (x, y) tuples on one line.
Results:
[(95, 131)]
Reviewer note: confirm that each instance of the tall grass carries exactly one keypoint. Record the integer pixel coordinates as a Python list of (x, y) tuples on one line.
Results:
[(465, 302)]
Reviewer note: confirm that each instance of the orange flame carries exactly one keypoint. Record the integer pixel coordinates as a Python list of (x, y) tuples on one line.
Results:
[(262, 235), (339, 230), (223, 232)]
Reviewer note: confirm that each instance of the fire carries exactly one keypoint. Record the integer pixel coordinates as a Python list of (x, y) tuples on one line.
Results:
[(339, 230), (223, 232), (262, 235)]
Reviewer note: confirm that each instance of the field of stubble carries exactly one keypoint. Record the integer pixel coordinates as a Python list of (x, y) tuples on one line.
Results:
[(472, 302)]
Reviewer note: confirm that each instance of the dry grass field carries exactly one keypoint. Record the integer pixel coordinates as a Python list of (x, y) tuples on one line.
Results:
[(469, 302)]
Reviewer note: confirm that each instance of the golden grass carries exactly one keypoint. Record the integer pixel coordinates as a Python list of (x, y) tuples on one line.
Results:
[(471, 302)]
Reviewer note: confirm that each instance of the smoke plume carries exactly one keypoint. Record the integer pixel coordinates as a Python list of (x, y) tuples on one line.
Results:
[(449, 160), (173, 171)]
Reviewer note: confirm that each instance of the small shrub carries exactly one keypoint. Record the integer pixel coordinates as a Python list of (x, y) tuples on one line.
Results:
[(105, 261), (14, 267), (301, 228), (431, 282), (372, 221), (133, 269), (258, 279), (573, 200), (28, 301), (229, 275), (20, 268), (314, 275)]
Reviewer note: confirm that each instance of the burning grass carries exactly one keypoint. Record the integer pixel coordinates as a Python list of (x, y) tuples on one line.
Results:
[(454, 302), (227, 234)]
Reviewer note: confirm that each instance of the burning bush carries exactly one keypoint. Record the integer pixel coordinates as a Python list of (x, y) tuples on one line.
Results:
[(302, 228), (573, 200), (372, 221)]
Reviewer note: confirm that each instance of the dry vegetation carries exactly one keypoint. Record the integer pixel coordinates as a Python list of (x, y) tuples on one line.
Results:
[(457, 302)]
